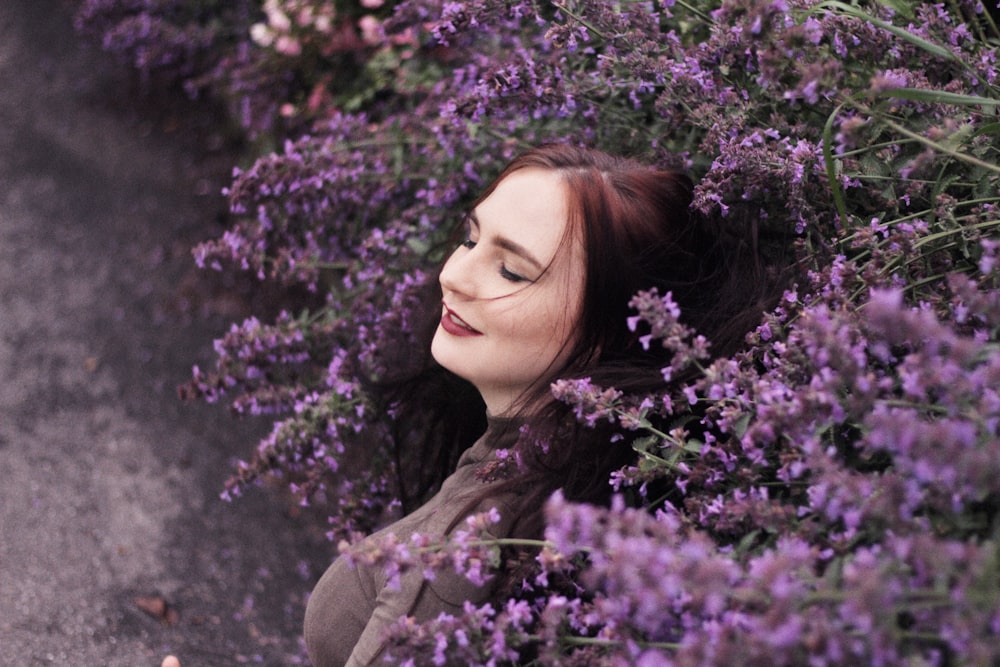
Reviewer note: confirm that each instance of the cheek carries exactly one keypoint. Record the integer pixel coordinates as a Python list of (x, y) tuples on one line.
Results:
[(544, 326)]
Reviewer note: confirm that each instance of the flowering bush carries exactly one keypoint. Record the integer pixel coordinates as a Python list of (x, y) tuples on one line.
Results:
[(276, 64), (827, 497)]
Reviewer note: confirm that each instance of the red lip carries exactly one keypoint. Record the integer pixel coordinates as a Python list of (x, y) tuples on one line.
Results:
[(453, 324)]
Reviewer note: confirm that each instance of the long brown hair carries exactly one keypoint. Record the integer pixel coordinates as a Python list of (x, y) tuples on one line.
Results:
[(638, 232)]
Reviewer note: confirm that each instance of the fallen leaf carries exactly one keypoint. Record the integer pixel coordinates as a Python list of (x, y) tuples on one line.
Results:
[(158, 608)]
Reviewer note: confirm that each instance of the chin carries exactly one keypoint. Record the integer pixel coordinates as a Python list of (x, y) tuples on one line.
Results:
[(454, 360), (440, 351)]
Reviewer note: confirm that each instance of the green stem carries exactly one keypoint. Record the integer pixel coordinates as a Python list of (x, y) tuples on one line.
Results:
[(951, 232), (870, 147), (895, 179), (561, 6), (657, 459), (694, 10), (608, 643), (942, 149), (897, 261), (332, 266), (839, 202), (500, 542), (937, 409)]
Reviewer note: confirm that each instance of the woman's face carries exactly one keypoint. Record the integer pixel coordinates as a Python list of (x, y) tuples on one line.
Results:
[(513, 290)]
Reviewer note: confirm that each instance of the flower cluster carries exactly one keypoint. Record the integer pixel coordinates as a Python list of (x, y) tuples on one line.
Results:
[(155, 36), (481, 637), (283, 21), (661, 315), (590, 403), (472, 551), (828, 496), (680, 599)]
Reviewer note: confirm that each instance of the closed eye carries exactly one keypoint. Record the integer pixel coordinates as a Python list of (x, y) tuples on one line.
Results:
[(507, 274)]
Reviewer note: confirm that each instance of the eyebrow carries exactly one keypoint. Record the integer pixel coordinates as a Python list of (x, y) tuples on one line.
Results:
[(507, 244)]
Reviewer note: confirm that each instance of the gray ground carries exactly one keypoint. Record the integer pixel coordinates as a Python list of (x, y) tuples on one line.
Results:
[(108, 483)]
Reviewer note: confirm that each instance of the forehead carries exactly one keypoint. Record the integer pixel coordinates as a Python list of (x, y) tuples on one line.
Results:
[(529, 206)]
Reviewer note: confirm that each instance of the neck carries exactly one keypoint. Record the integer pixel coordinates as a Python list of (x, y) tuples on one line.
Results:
[(507, 406)]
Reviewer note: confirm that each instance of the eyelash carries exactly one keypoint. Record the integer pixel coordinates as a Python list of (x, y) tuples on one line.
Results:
[(510, 275), (505, 273)]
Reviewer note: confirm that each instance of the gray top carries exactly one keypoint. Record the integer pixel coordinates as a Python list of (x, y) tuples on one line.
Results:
[(351, 607)]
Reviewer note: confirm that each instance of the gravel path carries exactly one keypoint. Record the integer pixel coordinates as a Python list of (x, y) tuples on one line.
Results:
[(109, 485)]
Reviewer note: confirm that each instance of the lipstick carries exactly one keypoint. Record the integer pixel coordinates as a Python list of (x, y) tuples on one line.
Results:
[(455, 325)]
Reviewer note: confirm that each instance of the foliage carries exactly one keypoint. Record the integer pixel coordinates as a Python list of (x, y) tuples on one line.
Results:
[(836, 500), (275, 64)]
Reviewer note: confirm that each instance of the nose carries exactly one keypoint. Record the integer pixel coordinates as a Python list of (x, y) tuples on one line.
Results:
[(457, 274)]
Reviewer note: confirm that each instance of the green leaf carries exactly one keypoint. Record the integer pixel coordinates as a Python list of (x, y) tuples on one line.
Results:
[(991, 128), (832, 166), (901, 7), (747, 542), (693, 446), (643, 444), (417, 245), (937, 97), (649, 465), (740, 427)]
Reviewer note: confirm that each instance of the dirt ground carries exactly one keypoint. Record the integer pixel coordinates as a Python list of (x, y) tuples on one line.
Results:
[(114, 546)]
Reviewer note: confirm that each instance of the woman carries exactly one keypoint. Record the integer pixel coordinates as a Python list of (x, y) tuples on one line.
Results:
[(539, 290)]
